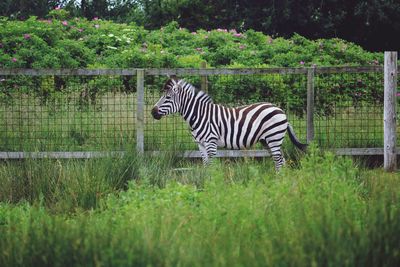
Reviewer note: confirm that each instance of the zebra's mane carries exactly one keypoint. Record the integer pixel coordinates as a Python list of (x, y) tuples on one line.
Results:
[(184, 85), (188, 86)]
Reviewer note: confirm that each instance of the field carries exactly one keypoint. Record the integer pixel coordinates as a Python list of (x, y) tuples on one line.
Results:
[(320, 210)]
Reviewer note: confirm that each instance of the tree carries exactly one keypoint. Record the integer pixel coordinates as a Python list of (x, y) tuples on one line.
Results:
[(22, 9)]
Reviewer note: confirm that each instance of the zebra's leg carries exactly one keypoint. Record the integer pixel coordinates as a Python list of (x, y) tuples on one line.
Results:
[(208, 150), (204, 154), (279, 159), (211, 147), (274, 147)]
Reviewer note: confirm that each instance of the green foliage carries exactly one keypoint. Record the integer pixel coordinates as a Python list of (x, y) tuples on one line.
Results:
[(374, 24), (80, 43), (327, 212), (248, 89)]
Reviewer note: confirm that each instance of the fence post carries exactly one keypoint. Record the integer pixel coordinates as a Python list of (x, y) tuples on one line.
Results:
[(140, 111), (389, 112), (310, 104), (204, 82)]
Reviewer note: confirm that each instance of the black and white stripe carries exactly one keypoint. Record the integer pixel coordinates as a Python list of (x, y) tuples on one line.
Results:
[(215, 126)]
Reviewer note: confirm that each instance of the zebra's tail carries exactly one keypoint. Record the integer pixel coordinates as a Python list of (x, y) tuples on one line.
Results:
[(295, 140)]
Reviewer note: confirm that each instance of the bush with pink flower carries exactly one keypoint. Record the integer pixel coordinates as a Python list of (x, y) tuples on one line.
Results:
[(60, 41)]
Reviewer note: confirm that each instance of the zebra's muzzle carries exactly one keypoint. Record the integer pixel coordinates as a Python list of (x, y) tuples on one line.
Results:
[(155, 113)]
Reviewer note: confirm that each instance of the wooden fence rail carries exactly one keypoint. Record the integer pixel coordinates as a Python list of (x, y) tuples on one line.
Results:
[(191, 71)]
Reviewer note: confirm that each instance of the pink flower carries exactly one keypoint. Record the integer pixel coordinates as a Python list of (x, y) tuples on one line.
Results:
[(199, 49), (65, 23), (194, 33), (57, 8), (239, 35), (242, 46), (398, 94), (80, 30), (222, 30), (301, 62), (14, 59), (27, 36), (96, 18), (97, 26)]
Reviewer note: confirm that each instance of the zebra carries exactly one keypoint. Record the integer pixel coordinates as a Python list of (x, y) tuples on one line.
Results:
[(214, 125)]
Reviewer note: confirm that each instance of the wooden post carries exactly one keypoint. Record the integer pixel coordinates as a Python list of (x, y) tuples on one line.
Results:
[(389, 112), (310, 104), (140, 111), (204, 82)]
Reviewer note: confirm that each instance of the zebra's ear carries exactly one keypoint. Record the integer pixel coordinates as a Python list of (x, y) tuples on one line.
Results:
[(174, 78), (172, 81)]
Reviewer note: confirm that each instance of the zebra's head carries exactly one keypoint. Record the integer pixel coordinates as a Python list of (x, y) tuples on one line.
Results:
[(169, 102)]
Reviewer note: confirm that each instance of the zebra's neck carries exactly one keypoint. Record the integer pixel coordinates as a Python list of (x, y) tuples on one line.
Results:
[(194, 105)]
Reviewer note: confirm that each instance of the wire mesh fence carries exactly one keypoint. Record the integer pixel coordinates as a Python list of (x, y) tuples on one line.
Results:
[(96, 111), (349, 110), (66, 113)]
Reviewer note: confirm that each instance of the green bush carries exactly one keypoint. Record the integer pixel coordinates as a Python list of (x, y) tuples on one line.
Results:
[(79, 43), (98, 40)]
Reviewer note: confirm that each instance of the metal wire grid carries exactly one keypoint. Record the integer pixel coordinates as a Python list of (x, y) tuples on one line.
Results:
[(349, 110), (67, 113), (169, 133), (173, 132), (84, 113)]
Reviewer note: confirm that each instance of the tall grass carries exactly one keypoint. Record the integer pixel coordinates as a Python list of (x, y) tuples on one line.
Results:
[(326, 212)]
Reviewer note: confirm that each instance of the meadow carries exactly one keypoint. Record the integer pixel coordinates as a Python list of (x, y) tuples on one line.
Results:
[(320, 210)]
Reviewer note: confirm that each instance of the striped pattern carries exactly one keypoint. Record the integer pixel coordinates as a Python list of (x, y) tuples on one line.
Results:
[(215, 126)]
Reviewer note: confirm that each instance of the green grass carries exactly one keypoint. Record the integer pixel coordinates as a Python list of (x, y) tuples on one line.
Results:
[(139, 211)]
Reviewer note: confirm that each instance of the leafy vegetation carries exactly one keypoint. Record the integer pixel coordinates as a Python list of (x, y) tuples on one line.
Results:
[(326, 212), (65, 42), (372, 24)]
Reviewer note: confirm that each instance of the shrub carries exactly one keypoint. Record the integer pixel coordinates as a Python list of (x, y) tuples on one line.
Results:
[(79, 43)]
